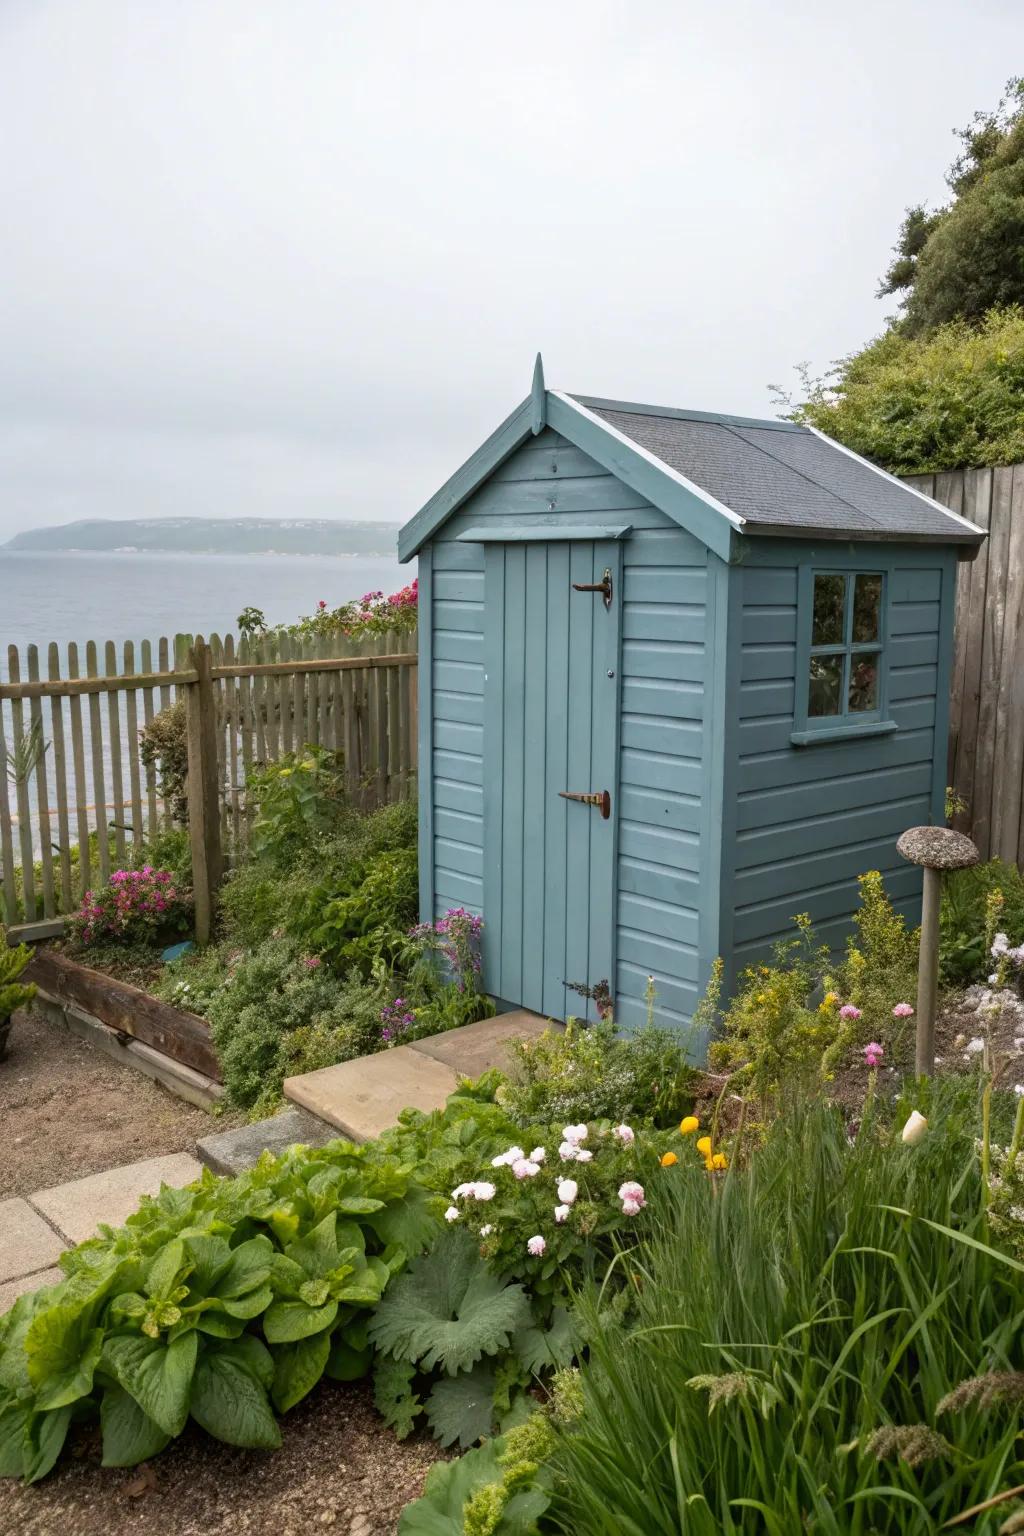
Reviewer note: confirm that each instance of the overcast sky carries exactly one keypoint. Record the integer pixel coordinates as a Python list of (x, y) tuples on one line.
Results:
[(294, 257)]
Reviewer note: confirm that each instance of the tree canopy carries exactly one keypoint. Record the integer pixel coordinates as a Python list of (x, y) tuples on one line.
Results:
[(943, 386)]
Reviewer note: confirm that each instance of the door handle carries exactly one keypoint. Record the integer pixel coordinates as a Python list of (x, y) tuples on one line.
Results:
[(604, 586), (600, 799)]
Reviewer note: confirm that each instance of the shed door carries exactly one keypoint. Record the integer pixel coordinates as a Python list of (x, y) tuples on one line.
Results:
[(550, 725)]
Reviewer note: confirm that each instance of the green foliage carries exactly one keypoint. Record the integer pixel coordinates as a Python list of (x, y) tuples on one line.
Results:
[(965, 932), (965, 259), (298, 799), (220, 1302), (499, 1489), (280, 1012), (773, 1035), (13, 994), (594, 1072), (878, 970), (916, 404), (163, 747), (368, 920), (797, 1334)]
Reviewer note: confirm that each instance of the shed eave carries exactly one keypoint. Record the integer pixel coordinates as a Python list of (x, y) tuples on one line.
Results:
[(967, 532)]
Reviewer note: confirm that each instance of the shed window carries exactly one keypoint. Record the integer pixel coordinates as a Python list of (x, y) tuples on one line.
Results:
[(846, 654)]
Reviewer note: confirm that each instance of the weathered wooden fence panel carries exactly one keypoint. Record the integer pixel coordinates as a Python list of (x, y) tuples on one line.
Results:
[(986, 740), (76, 799)]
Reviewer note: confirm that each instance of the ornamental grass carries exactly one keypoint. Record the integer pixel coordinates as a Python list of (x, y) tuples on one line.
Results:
[(809, 1348)]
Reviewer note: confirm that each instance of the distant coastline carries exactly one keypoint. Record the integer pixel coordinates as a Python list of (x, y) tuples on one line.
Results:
[(211, 536)]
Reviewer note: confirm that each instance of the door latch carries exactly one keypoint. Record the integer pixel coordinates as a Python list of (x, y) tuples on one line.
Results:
[(604, 586), (600, 799)]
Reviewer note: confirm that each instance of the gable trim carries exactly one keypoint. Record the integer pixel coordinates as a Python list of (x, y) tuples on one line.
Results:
[(502, 443), (693, 509)]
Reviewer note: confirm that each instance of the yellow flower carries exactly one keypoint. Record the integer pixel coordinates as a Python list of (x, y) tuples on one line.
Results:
[(709, 1164), (704, 1146), (689, 1125), (719, 1160), (669, 1160)]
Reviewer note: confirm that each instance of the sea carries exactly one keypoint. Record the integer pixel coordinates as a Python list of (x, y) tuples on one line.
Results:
[(104, 596)]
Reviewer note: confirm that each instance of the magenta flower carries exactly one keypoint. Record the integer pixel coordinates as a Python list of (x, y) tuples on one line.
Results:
[(902, 1011), (848, 1011), (873, 1054)]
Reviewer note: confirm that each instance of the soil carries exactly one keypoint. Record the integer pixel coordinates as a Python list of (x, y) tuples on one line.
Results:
[(339, 1470), (68, 1110)]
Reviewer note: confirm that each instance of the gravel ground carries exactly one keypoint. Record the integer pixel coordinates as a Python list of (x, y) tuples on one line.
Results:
[(339, 1469), (68, 1110)]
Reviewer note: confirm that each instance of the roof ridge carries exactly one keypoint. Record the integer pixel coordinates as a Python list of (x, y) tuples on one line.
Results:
[(678, 413)]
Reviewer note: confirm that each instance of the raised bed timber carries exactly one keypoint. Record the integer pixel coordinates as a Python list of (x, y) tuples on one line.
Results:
[(156, 1038)]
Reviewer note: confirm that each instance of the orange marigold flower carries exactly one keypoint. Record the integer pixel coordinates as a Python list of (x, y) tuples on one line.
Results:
[(669, 1159), (689, 1125)]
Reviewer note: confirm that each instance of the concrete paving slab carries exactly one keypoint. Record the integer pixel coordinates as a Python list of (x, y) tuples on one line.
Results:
[(27, 1243), (231, 1152), (77, 1209), (364, 1097), (10, 1292), (476, 1048)]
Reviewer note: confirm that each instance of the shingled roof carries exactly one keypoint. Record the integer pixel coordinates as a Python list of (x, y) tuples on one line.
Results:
[(782, 478), (722, 478)]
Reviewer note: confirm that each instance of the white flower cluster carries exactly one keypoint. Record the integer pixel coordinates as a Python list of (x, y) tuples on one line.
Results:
[(522, 1167)]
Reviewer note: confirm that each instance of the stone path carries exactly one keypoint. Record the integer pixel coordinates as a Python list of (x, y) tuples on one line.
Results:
[(364, 1097), (34, 1232)]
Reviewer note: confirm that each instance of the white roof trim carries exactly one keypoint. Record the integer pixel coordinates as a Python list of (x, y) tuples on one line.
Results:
[(929, 500), (652, 458)]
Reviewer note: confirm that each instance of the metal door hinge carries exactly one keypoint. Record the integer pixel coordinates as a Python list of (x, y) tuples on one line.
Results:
[(600, 799), (604, 586)]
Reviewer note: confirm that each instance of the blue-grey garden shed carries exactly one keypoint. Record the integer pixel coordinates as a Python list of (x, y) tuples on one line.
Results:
[(733, 637)]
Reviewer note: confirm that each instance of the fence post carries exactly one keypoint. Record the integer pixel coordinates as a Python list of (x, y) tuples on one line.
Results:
[(203, 798)]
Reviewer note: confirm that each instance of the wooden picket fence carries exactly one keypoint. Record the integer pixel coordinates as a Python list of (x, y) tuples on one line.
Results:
[(76, 798)]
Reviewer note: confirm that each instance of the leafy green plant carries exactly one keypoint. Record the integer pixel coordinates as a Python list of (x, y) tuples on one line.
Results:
[(597, 1073), (965, 934), (499, 1489), (368, 921), (447, 1311), (163, 749), (371, 614), (220, 1303), (810, 1346), (13, 994), (297, 799)]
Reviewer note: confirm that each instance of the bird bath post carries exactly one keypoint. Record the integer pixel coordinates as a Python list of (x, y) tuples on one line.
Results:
[(935, 849)]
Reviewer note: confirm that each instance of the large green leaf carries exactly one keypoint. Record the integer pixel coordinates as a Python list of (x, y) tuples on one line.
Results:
[(287, 1321), (448, 1309), (14, 1419), (548, 1348), (63, 1350), (157, 1374), (231, 1404), (449, 1486), (297, 1369), (462, 1407), (43, 1442), (129, 1434)]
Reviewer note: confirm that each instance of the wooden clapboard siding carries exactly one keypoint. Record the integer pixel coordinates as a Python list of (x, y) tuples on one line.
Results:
[(986, 744), (808, 821), (656, 871), (90, 790)]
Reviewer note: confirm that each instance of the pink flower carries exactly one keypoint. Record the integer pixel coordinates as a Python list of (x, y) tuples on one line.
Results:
[(583, 1156), (524, 1169), (481, 1190), (538, 1155), (451, 1214), (312, 962), (848, 1011), (506, 1159), (574, 1134), (625, 1134), (873, 1054), (561, 1213), (568, 1189), (536, 1246), (632, 1195), (902, 1011), (632, 1207)]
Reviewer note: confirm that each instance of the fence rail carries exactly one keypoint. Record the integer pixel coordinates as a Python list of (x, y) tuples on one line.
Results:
[(986, 738), (76, 797)]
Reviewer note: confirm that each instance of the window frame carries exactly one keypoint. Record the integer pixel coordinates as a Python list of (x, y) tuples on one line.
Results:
[(814, 729)]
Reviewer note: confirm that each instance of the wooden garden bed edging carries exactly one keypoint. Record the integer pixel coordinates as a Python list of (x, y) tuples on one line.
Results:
[(130, 1012)]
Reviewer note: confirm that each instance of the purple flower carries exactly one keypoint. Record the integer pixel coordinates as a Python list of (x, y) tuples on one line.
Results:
[(848, 1011), (902, 1011)]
